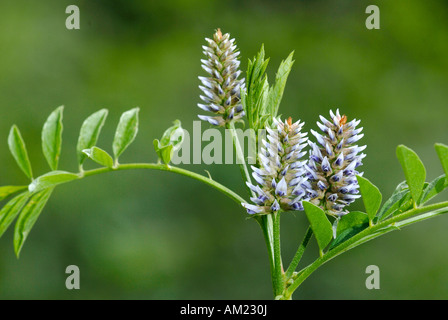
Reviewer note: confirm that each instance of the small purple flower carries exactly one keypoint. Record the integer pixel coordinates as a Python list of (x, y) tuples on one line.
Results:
[(280, 176), (221, 88), (333, 162)]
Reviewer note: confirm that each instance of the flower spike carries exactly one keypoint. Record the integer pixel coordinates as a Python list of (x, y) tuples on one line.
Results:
[(221, 88), (331, 168), (281, 176)]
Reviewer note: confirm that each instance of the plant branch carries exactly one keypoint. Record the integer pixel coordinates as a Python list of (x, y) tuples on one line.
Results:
[(278, 273), (271, 231), (240, 155), (356, 240), (298, 256), (163, 167), (266, 225)]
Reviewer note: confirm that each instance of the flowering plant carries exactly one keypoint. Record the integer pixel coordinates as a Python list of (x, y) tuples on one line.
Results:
[(287, 170)]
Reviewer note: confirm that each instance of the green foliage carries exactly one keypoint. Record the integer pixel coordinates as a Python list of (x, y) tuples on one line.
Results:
[(353, 229), (276, 91), (52, 138), (414, 170), (322, 228), (18, 150), (261, 101), (29, 204), (400, 202), (51, 179), (126, 132), (171, 141), (434, 188), (99, 156), (165, 153), (395, 202), (371, 196), (10, 211), (442, 152), (28, 217), (89, 133), (348, 226), (6, 191), (254, 98)]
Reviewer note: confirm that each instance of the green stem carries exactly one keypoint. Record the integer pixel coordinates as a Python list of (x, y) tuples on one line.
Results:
[(298, 256), (271, 236), (278, 272), (351, 243), (266, 226), (163, 167), (239, 154)]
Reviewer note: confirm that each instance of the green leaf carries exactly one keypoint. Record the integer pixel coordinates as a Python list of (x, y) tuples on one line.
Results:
[(442, 152), (434, 187), (52, 137), (348, 226), (404, 204), (51, 179), (28, 217), (400, 201), (10, 211), (414, 170), (320, 224), (171, 141), (6, 191), (174, 135), (165, 153), (18, 150), (126, 132), (260, 101), (350, 220), (276, 92), (392, 203), (257, 90), (371, 196), (90, 130), (99, 156)]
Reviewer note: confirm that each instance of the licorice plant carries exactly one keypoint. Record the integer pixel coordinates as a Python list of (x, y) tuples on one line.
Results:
[(287, 169)]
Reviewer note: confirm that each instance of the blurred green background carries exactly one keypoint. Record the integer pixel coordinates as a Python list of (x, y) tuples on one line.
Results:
[(155, 235)]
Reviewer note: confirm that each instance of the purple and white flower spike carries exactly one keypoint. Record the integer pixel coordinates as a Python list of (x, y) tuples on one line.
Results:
[(281, 180), (333, 162), (221, 88)]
